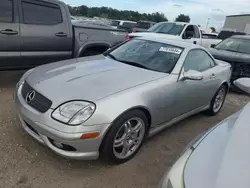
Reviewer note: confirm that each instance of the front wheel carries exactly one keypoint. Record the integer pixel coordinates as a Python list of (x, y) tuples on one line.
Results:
[(218, 100), (125, 137)]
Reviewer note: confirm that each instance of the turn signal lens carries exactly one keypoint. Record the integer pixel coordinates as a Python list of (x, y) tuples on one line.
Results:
[(127, 37), (89, 135)]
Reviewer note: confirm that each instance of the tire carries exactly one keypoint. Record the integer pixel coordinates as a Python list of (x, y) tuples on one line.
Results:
[(117, 135), (213, 110)]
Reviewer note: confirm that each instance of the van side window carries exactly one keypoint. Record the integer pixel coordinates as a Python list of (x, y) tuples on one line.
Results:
[(41, 13), (6, 11)]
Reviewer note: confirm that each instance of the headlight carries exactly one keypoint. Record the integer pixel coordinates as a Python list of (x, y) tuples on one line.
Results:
[(74, 112), (174, 178)]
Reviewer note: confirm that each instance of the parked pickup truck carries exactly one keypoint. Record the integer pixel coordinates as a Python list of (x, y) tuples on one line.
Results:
[(177, 31), (34, 32)]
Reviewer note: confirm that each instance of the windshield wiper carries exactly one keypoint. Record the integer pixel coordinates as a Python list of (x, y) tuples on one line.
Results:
[(134, 64), (113, 57)]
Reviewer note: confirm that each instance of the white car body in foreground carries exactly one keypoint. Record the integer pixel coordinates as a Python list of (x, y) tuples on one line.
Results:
[(164, 30), (219, 158)]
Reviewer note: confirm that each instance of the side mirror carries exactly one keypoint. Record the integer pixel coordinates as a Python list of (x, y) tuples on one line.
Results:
[(192, 75), (243, 84), (212, 45)]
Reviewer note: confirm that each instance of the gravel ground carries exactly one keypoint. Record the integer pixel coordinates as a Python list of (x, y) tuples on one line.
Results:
[(25, 163)]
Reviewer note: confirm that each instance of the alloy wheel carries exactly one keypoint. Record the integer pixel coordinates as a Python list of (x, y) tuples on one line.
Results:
[(129, 138), (219, 99)]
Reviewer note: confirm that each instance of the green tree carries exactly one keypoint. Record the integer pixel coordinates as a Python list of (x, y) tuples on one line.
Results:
[(213, 29), (72, 10), (82, 10), (110, 13), (183, 18), (157, 17)]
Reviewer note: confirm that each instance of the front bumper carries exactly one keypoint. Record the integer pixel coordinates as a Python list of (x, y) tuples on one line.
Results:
[(60, 138)]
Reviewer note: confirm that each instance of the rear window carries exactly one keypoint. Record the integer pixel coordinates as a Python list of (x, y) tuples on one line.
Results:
[(128, 24), (144, 25), (209, 36), (115, 23), (6, 11), (41, 12)]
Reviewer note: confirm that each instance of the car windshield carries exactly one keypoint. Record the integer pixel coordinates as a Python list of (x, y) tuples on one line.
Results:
[(115, 23), (235, 45), (167, 28), (144, 25), (146, 54)]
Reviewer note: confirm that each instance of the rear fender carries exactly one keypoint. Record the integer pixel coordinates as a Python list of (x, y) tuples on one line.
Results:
[(85, 46)]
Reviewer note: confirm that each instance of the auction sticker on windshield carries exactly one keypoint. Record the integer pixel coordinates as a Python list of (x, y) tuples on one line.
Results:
[(171, 50)]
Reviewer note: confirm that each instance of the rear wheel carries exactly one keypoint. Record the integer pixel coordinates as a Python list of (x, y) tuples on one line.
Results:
[(125, 137), (218, 100)]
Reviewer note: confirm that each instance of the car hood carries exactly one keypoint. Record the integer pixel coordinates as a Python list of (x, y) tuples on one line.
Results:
[(222, 159), (90, 78), (150, 34), (230, 56)]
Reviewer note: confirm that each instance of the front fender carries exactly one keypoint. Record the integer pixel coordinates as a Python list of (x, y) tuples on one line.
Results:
[(110, 108)]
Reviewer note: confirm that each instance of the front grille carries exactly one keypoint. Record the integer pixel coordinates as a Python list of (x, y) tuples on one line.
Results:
[(242, 69), (39, 102), (239, 70)]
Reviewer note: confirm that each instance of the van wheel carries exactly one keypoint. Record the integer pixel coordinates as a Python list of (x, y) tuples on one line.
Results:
[(218, 100), (125, 137)]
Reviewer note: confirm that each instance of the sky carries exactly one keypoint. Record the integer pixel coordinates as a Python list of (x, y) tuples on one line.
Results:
[(200, 11)]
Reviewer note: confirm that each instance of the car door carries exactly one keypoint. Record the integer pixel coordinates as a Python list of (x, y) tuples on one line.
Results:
[(194, 94), (46, 32), (191, 34), (9, 34)]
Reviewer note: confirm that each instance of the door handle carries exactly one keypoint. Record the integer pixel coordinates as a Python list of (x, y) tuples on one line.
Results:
[(195, 42), (213, 76), (8, 32), (61, 34)]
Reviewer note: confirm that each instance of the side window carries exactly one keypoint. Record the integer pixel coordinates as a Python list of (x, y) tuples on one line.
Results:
[(196, 32), (6, 11), (189, 32), (212, 62), (41, 13), (197, 60)]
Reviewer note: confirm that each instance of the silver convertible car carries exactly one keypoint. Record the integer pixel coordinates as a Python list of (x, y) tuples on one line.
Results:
[(106, 105), (219, 158)]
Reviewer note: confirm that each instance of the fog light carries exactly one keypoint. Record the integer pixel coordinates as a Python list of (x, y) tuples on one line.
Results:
[(89, 135), (58, 144)]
